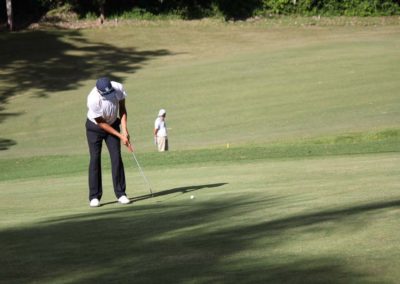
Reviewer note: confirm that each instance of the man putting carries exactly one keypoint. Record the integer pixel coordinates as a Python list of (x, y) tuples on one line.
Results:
[(105, 102)]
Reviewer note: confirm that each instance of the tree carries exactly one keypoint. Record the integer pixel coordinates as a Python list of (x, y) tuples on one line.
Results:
[(101, 4), (10, 20)]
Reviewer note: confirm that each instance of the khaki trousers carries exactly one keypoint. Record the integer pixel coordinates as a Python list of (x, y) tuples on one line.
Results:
[(162, 144)]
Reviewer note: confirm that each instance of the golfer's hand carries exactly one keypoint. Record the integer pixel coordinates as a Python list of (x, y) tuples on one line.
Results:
[(131, 148), (126, 142), (126, 134)]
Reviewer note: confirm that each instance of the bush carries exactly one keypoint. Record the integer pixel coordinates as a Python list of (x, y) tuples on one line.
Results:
[(333, 7), (279, 6)]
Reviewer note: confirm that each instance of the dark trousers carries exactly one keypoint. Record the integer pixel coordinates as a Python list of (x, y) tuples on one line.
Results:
[(95, 136)]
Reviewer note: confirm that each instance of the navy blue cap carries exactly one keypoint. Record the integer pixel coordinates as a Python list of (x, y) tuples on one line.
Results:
[(104, 86)]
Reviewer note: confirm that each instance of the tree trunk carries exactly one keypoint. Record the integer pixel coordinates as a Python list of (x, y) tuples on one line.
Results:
[(10, 20), (101, 13)]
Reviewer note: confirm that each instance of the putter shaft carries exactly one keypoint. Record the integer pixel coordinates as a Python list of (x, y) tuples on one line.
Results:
[(142, 174)]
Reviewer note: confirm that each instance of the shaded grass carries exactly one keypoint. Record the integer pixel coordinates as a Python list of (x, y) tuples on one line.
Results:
[(121, 245), (294, 221), (356, 143)]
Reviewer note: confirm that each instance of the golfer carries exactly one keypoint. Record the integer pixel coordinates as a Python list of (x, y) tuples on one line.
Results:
[(105, 102), (160, 131)]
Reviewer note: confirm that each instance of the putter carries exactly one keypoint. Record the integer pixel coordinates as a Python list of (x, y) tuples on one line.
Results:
[(142, 174)]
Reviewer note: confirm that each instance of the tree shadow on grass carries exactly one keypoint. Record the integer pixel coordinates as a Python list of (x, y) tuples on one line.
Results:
[(179, 243), (40, 63), (6, 143), (44, 62)]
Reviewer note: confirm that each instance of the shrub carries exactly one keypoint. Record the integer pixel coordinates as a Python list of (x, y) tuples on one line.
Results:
[(333, 7)]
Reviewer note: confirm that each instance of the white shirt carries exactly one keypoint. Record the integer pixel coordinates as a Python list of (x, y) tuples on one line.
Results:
[(107, 106), (161, 126)]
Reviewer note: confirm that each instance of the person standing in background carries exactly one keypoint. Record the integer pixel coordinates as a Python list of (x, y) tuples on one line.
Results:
[(160, 131)]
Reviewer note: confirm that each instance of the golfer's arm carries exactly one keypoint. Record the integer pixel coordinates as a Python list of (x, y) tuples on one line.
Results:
[(124, 117), (106, 127)]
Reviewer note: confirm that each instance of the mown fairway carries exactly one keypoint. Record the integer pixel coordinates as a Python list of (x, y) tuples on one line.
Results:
[(307, 192)]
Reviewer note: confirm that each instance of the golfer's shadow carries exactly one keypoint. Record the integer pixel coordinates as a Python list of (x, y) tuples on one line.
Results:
[(184, 189)]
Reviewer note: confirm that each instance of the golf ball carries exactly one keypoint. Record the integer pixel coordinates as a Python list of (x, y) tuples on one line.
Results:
[(192, 197)]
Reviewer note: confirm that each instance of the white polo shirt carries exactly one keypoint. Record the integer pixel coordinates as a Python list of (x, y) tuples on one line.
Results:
[(161, 126), (106, 106)]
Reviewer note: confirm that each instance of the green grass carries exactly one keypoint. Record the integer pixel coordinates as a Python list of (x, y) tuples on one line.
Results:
[(312, 220), (287, 135), (350, 144), (220, 83)]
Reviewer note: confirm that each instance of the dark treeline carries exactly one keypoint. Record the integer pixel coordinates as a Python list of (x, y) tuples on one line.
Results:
[(31, 10)]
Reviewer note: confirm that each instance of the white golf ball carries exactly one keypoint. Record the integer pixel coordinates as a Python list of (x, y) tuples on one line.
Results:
[(192, 197)]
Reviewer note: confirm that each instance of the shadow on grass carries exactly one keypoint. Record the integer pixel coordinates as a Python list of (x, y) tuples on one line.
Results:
[(179, 243), (183, 189), (40, 63), (44, 62), (186, 189), (6, 143)]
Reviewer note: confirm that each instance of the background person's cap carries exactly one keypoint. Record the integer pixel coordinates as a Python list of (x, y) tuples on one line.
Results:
[(104, 86), (161, 112)]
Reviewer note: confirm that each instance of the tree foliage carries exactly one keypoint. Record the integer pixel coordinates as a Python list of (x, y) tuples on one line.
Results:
[(31, 10), (333, 7)]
